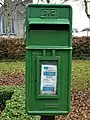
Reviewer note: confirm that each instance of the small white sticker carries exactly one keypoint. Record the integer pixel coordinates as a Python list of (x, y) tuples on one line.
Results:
[(48, 79)]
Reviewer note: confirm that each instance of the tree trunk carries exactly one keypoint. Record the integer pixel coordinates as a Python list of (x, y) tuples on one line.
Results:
[(7, 16)]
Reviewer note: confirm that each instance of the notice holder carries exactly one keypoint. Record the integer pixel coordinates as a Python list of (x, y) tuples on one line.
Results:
[(48, 84), (48, 78)]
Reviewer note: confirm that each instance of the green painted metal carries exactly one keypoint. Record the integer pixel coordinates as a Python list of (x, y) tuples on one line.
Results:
[(49, 47), (48, 40), (48, 21)]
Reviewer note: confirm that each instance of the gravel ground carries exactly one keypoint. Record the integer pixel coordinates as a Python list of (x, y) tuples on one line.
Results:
[(80, 100), (80, 106), (12, 79)]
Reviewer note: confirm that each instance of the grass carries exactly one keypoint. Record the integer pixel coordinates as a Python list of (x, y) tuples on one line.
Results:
[(8, 67), (80, 72)]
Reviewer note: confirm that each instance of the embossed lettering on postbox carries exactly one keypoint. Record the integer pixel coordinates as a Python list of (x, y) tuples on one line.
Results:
[(48, 13)]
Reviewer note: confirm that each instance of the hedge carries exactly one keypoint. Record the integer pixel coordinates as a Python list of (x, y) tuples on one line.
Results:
[(14, 48), (5, 94), (81, 48), (15, 108)]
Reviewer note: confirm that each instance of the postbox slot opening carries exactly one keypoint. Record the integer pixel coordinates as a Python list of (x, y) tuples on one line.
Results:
[(61, 27)]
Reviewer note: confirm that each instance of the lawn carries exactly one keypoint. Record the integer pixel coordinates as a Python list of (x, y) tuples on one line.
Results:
[(81, 75), (80, 72), (9, 67)]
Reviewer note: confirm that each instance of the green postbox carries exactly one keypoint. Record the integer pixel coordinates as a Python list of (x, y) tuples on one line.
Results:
[(48, 59)]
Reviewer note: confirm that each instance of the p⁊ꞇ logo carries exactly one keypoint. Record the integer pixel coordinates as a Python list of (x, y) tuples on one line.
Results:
[(49, 13)]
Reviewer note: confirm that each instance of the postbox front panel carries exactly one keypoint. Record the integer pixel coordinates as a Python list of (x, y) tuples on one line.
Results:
[(43, 97), (49, 37)]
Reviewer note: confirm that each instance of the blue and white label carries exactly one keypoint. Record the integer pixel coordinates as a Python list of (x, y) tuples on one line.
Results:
[(48, 79)]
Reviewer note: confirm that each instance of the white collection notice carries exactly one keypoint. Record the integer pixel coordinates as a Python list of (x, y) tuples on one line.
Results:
[(48, 79)]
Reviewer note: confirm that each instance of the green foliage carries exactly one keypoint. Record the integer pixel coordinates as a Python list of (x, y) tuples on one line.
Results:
[(15, 108), (5, 94)]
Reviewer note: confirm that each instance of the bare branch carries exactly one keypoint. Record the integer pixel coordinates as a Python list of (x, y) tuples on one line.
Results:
[(64, 1), (48, 1), (1, 3), (38, 1), (86, 8), (18, 3)]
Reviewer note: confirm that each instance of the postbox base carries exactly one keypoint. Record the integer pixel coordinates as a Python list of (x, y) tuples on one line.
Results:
[(47, 118)]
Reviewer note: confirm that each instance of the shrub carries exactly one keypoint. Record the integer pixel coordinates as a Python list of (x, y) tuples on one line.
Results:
[(15, 108), (5, 94), (81, 48), (12, 48)]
